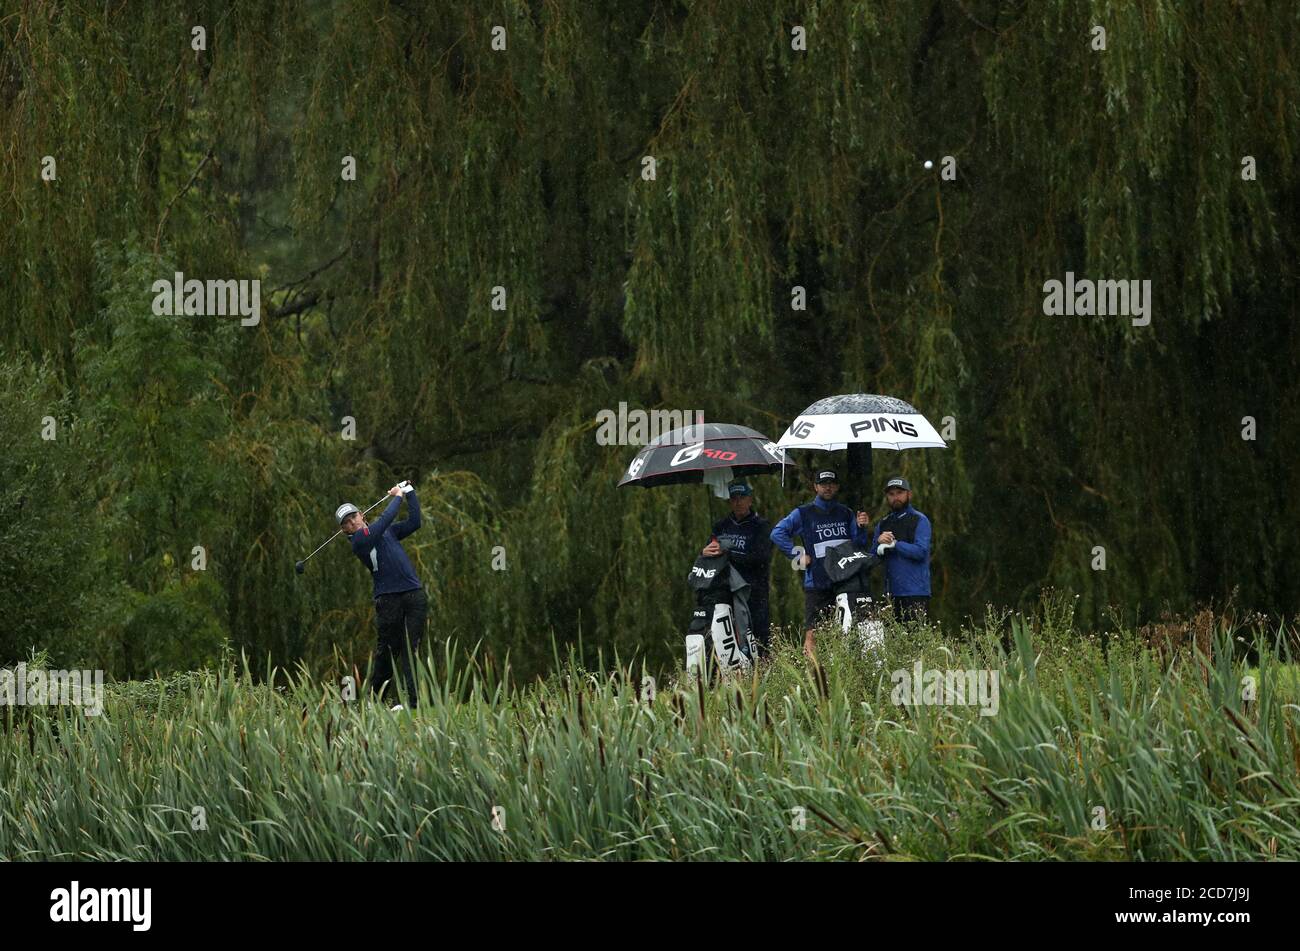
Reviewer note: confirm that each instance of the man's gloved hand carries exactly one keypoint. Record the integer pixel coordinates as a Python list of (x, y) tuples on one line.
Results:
[(881, 549), (405, 487)]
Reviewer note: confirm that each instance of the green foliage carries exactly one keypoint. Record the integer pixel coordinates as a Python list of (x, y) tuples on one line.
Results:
[(585, 764), (521, 169), (47, 540), (154, 459)]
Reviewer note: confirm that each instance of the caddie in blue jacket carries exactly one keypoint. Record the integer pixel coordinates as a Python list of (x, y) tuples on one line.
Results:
[(904, 535), (401, 606), (747, 539), (822, 523)]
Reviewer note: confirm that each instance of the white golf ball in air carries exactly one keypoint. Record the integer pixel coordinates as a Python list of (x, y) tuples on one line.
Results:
[(929, 164)]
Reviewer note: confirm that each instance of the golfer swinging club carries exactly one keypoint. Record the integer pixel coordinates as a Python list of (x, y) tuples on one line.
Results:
[(401, 605)]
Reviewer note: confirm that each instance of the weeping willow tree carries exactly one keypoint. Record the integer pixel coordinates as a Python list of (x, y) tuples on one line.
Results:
[(560, 207)]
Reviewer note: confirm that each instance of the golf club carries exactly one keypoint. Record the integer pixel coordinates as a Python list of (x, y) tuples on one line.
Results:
[(301, 566)]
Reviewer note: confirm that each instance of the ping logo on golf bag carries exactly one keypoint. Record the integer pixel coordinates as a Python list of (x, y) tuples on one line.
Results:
[(850, 559), (880, 424), (699, 572), (724, 640)]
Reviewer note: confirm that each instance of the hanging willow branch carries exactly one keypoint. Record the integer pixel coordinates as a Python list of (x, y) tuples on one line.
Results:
[(162, 221)]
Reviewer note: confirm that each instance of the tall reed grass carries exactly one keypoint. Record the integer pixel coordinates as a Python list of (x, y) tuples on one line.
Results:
[(1098, 750)]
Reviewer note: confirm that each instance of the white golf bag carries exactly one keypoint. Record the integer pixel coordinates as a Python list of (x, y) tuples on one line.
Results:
[(858, 616), (721, 622), (849, 568), (727, 645)]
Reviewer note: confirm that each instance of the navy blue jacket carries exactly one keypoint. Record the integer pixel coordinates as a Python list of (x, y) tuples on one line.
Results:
[(379, 550), (821, 525), (907, 564), (749, 543)]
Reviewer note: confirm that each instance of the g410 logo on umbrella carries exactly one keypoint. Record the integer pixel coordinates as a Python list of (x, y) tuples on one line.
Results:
[(687, 453)]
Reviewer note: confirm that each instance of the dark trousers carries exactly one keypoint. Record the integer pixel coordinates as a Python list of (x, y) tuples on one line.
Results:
[(911, 607), (400, 618), (760, 624)]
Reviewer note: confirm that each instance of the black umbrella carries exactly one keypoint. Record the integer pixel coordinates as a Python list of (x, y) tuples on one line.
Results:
[(709, 453)]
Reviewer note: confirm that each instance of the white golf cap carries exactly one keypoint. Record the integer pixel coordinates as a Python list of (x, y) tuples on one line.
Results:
[(343, 511)]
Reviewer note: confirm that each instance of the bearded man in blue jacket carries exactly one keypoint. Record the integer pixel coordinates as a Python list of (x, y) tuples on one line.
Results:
[(907, 559)]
